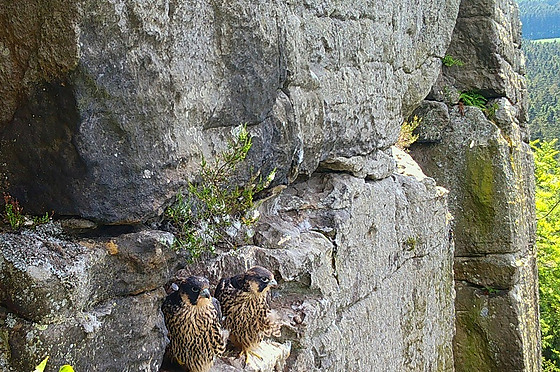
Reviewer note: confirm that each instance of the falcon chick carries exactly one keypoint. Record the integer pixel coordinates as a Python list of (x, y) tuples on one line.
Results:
[(192, 317), (246, 309)]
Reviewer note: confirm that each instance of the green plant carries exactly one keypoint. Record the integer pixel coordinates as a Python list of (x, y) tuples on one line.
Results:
[(449, 61), (41, 367), (213, 210), (549, 366), (490, 111), (410, 243), (473, 98), (13, 215), (491, 290), (40, 220), (13, 212), (406, 135)]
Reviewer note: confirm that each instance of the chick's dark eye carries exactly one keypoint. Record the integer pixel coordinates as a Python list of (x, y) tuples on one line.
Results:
[(195, 290), (265, 280)]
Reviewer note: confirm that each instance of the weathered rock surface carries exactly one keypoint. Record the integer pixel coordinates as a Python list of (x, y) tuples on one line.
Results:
[(118, 101), (109, 106), (94, 304), (488, 168), (487, 38), (489, 175), (365, 269), (489, 180), (364, 273)]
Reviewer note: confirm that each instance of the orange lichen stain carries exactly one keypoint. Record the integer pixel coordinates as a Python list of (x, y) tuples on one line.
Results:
[(112, 247), (88, 244)]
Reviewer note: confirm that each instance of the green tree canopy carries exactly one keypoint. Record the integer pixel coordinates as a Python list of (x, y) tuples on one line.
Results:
[(547, 177)]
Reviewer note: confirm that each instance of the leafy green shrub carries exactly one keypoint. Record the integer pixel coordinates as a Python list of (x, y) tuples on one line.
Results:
[(547, 179), (212, 210), (549, 366), (406, 135), (449, 61), (473, 98)]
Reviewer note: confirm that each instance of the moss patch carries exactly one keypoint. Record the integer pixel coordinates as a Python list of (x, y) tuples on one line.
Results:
[(480, 202), (472, 352)]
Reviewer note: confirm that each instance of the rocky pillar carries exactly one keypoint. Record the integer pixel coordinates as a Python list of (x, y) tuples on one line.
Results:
[(482, 156)]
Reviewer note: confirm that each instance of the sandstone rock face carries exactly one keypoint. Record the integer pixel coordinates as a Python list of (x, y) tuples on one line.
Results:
[(487, 38), (487, 165), (111, 104), (118, 101), (403, 322), (489, 175), (321, 235), (93, 304), (364, 267)]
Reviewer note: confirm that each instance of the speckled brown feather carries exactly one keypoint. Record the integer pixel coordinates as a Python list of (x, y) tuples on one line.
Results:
[(246, 312), (195, 333)]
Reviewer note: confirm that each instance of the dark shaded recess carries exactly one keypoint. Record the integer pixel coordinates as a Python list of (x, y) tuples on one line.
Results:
[(37, 153), (105, 231)]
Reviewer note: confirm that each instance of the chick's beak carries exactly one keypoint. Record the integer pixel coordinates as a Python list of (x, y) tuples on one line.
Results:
[(272, 283), (205, 293)]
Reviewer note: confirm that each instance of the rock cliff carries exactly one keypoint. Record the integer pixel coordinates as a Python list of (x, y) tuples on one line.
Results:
[(128, 96), (483, 158), (110, 105)]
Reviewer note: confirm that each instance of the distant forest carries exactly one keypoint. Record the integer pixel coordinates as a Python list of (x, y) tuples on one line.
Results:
[(543, 84), (540, 18)]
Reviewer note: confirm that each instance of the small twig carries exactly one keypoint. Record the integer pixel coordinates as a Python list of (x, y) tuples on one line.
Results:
[(551, 209)]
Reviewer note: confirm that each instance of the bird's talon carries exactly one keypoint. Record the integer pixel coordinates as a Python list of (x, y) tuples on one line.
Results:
[(251, 352), (255, 354)]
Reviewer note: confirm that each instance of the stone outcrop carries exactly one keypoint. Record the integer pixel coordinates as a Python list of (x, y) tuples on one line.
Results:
[(318, 237), (118, 101), (486, 163), (364, 267), (92, 303), (110, 106)]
